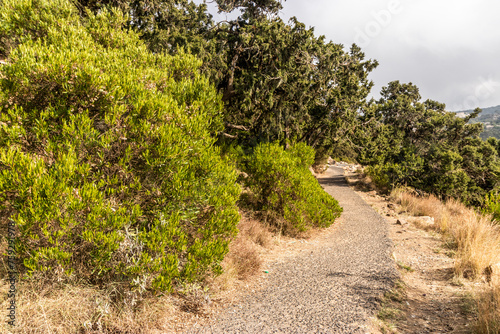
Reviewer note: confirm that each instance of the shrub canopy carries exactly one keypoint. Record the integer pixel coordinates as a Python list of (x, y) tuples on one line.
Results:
[(107, 162), (285, 189), (409, 142)]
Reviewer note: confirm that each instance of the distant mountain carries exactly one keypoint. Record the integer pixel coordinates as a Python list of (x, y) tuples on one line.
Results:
[(490, 117)]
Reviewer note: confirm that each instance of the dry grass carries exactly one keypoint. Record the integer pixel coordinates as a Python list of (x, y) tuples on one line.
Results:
[(243, 259), (415, 205), (477, 247), (254, 231), (476, 239), (57, 308), (80, 309), (488, 306)]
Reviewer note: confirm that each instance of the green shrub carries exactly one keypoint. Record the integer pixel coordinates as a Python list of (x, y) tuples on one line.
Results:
[(303, 154), (286, 190), (407, 172), (492, 205), (107, 157), (441, 172), (379, 176)]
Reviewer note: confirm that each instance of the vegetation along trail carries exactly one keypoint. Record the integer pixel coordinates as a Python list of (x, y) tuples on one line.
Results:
[(333, 289)]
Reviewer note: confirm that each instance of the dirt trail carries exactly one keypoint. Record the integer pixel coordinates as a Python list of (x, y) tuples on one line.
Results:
[(434, 300), (333, 287)]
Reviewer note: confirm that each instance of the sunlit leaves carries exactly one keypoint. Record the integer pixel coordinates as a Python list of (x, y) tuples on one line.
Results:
[(107, 162)]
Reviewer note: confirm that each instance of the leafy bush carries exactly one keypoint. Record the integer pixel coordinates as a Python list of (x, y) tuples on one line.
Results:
[(379, 176), (492, 205), (406, 172), (441, 171), (107, 162), (286, 189), (303, 153)]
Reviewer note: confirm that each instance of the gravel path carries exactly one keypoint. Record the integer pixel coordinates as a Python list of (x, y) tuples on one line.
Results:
[(334, 289)]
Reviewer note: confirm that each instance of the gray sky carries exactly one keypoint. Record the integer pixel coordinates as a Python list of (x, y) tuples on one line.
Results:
[(449, 48)]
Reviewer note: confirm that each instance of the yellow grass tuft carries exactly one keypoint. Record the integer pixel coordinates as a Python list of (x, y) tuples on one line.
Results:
[(477, 242), (488, 306), (243, 259), (80, 309)]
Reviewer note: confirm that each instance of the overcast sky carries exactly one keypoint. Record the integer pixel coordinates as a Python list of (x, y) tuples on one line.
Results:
[(449, 48)]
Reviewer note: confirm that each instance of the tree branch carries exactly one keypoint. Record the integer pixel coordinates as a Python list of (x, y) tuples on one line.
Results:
[(238, 127), (229, 136)]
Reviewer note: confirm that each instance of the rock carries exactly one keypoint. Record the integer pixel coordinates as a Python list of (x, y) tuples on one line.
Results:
[(425, 221), (401, 222), (391, 206)]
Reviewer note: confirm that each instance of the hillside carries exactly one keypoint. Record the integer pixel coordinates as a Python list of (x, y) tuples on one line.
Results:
[(490, 117), (147, 152)]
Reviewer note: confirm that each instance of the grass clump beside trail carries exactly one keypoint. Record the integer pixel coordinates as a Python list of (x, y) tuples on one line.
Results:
[(286, 192), (390, 310), (476, 240)]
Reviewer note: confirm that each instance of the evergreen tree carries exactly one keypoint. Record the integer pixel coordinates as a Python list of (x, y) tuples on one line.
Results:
[(420, 144)]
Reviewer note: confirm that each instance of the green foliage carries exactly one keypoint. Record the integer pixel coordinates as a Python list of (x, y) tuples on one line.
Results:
[(303, 153), (419, 144), (283, 82), (279, 81), (252, 8), (167, 25), (23, 21), (492, 205), (107, 162), (286, 190)]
